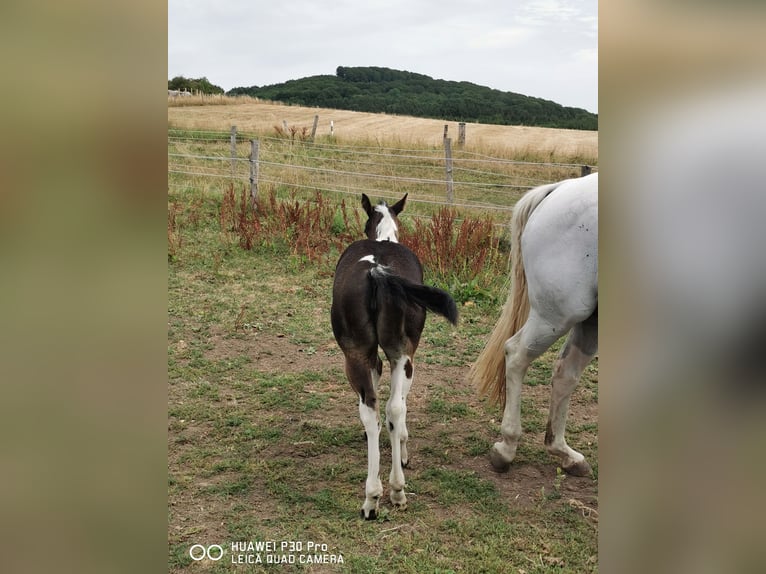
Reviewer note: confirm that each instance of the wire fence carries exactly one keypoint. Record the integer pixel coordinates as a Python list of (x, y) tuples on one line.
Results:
[(300, 168)]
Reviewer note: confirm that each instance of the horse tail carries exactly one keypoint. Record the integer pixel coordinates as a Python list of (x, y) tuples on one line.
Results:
[(488, 372), (402, 290)]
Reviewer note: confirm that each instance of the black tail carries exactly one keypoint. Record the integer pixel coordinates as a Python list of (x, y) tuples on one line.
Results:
[(431, 298)]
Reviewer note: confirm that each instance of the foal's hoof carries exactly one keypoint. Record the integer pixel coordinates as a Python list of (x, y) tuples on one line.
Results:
[(581, 468), (499, 464), (371, 516)]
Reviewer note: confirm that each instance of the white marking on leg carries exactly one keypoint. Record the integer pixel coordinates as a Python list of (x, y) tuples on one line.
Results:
[(386, 230), (395, 413), (373, 487), (368, 258)]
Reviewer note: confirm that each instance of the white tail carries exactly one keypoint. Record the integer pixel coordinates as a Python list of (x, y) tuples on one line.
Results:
[(488, 372)]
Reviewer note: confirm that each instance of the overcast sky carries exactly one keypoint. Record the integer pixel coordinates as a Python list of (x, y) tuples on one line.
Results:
[(542, 48)]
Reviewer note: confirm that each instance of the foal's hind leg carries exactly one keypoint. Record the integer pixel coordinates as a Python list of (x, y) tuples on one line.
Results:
[(396, 413), (531, 341), (363, 376), (580, 348), (404, 435)]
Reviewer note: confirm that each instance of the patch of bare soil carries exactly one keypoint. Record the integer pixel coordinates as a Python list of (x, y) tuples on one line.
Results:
[(273, 352)]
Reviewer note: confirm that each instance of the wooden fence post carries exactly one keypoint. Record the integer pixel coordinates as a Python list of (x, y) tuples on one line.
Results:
[(461, 134), (585, 170), (314, 127), (448, 168), (233, 151), (446, 128), (254, 151)]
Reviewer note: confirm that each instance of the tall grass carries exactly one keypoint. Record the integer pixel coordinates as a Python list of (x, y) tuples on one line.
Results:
[(464, 255), (208, 100), (312, 230)]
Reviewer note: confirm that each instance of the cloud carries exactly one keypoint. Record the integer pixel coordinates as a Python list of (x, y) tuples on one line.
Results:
[(501, 38), (586, 56)]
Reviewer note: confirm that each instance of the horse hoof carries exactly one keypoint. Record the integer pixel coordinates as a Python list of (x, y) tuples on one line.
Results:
[(499, 464), (405, 463), (398, 499), (372, 516), (581, 468)]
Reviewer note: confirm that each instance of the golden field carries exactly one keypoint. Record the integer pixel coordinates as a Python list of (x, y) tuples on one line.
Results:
[(253, 116)]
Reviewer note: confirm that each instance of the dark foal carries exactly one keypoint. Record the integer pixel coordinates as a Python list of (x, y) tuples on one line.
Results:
[(379, 300)]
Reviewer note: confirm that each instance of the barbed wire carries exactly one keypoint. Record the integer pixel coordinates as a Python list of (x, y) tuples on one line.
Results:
[(437, 154), (283, 162)]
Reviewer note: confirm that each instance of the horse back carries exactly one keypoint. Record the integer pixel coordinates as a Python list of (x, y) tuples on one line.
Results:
[(399, 260), (354, 312)]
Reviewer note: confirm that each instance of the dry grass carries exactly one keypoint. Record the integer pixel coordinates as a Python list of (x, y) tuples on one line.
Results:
[(182, 101), (383, 129)]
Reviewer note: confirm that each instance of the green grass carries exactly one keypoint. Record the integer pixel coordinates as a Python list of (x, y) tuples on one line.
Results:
[(265, 443)]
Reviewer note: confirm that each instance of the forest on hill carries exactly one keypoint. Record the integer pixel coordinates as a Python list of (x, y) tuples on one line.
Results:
[(194, 85), (383, 90)]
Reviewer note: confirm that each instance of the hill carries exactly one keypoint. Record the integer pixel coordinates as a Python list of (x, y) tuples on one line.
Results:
[(382, 90)]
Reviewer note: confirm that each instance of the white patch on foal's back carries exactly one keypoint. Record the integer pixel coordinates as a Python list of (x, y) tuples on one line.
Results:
[(368, 258), (386, 230)]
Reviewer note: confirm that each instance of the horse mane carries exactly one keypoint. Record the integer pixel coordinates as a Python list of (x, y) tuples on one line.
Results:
[(488, 372)]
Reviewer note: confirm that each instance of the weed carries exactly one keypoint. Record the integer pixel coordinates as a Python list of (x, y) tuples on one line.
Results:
[(174, 234), (463, 256)]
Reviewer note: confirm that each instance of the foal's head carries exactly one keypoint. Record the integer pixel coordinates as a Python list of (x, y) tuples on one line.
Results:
[(382, 224)]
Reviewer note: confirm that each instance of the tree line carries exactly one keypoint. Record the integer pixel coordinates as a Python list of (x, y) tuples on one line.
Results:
[(375, 89), (197, 85)]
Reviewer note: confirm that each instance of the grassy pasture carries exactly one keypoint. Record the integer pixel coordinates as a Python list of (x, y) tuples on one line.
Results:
[(264, 439)]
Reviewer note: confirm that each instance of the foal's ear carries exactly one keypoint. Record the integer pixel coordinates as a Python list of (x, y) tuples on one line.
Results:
[(367, 205), (399, 205)]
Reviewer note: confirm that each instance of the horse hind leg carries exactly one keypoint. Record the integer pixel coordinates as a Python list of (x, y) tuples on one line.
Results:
[(531, 341), (409, 372), (396, 413), (375, 373), (580, 348), (363, 378)]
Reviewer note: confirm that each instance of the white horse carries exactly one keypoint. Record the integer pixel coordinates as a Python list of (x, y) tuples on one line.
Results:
[(554, 291)]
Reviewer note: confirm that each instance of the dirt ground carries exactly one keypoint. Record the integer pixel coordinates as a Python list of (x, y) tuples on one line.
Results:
[(521, 485)]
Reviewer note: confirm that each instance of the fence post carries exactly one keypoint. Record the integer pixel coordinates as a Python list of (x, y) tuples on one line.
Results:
[(314, 127), (585, 170), (461, 134), (254, 151), (448, 168), (233, 151), (446, 128)]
